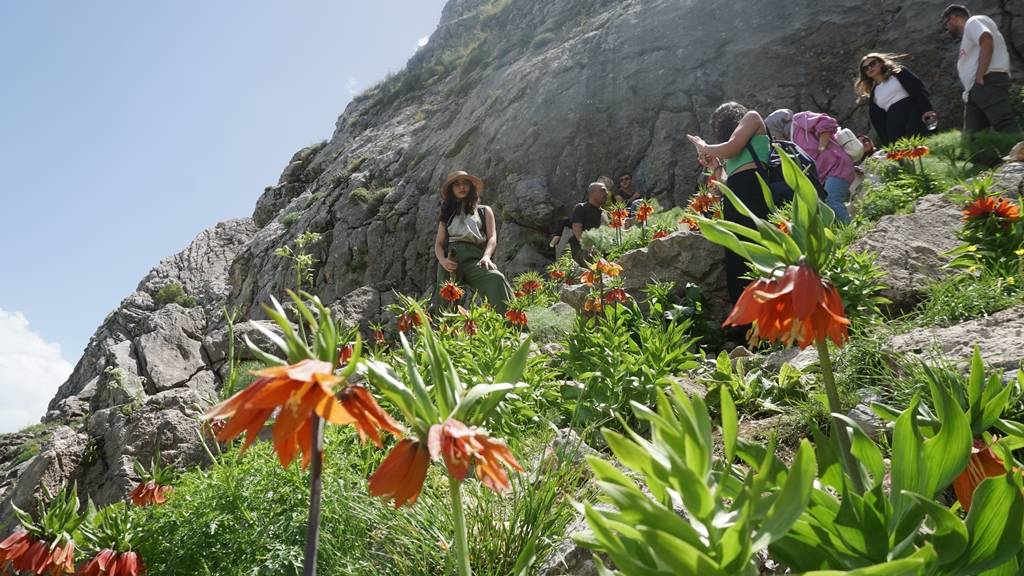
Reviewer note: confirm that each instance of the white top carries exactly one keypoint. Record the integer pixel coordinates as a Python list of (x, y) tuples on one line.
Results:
[(889, 92), (970, 50), (466, 228)]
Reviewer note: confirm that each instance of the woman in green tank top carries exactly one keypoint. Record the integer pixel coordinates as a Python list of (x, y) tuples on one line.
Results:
[(734, 126)]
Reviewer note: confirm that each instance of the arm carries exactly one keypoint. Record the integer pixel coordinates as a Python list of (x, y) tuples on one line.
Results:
[(984, 57), (492, 240), (577, 231), (749, 126), (918, 93), (439, 242)]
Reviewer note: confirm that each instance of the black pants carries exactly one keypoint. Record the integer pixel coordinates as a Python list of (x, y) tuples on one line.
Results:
[(747, 188), (988, 105), (903, 119)]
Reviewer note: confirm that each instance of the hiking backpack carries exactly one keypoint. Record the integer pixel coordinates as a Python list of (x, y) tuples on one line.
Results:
[(772, 170)]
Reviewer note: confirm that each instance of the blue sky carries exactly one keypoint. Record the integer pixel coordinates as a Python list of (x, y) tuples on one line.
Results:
[(128, 127)]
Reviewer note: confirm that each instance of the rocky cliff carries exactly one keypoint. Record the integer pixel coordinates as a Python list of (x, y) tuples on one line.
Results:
[(538, 97)]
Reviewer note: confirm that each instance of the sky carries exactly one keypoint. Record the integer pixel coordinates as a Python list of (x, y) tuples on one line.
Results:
[(128, 127)]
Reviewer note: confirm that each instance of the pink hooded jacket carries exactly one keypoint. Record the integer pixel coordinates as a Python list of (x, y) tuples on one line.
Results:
[(833, 161)]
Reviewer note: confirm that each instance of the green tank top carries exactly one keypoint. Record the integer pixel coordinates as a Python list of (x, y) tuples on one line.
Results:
[(761, 145)]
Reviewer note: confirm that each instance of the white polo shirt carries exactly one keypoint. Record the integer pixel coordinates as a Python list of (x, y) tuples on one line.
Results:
[(970, 50)]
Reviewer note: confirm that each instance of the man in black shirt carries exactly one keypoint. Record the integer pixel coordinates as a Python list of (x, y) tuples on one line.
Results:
[(585, 216), (628, 194)]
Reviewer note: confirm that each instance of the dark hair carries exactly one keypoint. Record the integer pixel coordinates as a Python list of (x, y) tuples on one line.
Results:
[(451, 205), (625, 174), (725, 119), (956, 10)]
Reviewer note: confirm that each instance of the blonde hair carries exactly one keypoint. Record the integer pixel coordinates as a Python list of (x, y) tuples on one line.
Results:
[(863, 84)]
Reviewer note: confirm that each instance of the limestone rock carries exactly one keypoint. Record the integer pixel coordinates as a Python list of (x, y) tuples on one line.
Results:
[(683, 257), (911, 248), (294, 180), (1000, 336), (51, 468)]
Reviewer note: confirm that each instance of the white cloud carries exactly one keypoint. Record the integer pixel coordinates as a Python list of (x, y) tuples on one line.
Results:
[(423, 41), (352, 86), (31, 369)]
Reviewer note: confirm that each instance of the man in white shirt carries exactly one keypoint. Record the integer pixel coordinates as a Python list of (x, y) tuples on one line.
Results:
[(984, 69)]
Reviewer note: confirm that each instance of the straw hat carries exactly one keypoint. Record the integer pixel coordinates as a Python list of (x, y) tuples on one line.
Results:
[(1016, 153), (459, 175)]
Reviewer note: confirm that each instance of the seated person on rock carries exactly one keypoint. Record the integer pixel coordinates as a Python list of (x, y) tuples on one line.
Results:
[(628, 194), (586, 216), (466, 240)]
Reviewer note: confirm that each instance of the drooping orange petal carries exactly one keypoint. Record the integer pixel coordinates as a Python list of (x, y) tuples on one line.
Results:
[(807, 290), (367, 416), (982, 464), (401, 475)]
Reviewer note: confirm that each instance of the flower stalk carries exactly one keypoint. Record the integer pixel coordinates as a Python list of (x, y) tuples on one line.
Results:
[(315, 496), (835, 407), (459, 524)]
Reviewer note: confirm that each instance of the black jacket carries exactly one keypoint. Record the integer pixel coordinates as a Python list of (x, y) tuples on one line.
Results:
[(918, 95)]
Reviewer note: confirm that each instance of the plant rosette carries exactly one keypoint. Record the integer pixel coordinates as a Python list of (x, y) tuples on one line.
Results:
[(46, 546)]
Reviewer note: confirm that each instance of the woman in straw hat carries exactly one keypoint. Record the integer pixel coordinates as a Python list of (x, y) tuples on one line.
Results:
[(466, 239)]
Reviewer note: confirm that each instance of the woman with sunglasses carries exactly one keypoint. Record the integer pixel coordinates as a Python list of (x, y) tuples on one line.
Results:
[(899, 104)]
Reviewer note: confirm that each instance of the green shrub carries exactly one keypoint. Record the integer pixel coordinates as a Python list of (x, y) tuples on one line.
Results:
[(604, 239), (289, 219), (549, 326), (963, 297), (246, 515), (173, 292)]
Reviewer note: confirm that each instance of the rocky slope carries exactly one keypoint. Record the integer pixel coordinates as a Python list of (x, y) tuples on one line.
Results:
[(537, 97)]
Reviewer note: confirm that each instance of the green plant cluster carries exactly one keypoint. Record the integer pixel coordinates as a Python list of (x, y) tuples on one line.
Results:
[(174, 293)]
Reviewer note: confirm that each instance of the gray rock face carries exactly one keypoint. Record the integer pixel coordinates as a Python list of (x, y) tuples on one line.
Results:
[(1000, 336), (141, 383), (681, 257), (911, 248)]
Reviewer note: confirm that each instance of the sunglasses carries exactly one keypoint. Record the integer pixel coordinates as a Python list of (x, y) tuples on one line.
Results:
[(869, 65)]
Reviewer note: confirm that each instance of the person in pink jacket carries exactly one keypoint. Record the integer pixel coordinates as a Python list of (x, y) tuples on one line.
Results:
[(815, 134)]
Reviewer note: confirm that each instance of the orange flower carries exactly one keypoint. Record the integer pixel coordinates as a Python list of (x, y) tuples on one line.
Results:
[(783, 225), (519, 294), (407, 320), (110, 563), (516, 317), (461, 447), (300, 390), (659, 234), (26, 553), (556, 274), (378, 337), (980, 208), (799, 306), (896, 155), (150, 492), (592, 304), (469, 327), (917, 152), (345, 354), (451, 292), (367, 416), (703, 201), (615, 295), (620, 214), (610, 268), (643, 212), (587, 277), (400, 476), (692, 224), (616, 223), (531, 286), (982, 464)]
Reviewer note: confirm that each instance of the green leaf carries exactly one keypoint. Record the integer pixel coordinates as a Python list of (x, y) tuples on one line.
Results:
[(994, 523), (791, 500), (947, 532), (904, 567), (480, 401), (512, 370), (730, 424)]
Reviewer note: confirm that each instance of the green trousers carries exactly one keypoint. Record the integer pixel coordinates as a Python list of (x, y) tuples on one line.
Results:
[(490, 284)]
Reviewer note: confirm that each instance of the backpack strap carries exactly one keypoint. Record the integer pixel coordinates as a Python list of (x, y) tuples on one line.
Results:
[(761, 166)]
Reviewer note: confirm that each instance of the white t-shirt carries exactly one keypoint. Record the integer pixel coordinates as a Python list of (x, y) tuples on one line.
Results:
[(889, 92), (970, 50)]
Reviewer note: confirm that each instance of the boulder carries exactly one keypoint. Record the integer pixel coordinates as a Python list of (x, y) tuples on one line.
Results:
[(1000, 337), (911, 248), (52, 468), (682, 257)]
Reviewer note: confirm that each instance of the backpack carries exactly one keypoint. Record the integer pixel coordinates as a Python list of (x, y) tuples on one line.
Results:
[(772, 170)]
